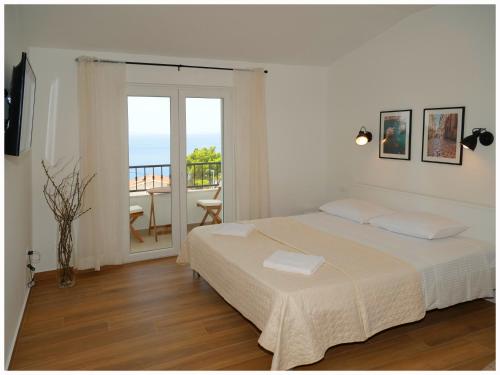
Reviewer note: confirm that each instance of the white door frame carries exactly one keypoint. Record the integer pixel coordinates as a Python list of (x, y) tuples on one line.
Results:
[(173, 94), (223, 93), (177, 95)]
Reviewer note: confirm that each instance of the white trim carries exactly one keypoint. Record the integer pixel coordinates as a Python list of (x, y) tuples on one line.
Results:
[(151, 254), (9, 351), (225, 94), (177, 95), (173, 94), (182, 162), (461, 203)]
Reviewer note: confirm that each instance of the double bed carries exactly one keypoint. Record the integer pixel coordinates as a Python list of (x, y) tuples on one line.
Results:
[(372, 280)]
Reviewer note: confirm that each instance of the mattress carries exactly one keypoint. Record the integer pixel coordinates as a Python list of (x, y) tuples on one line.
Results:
[(454, 269)]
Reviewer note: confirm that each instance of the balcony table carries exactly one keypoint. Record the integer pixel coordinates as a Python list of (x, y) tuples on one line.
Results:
[(163, 228)]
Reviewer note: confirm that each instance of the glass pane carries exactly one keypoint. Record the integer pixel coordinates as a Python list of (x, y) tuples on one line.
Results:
[(149, 173), (203, 161)]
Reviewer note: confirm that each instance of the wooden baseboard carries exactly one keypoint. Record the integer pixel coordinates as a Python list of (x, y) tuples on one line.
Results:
[(52, 274)]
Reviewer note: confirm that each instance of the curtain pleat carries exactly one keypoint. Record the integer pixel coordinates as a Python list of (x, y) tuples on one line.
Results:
[(251, 160), (103, 233)]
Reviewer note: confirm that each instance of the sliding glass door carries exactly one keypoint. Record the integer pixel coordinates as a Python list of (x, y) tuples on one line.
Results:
[(180, 165)]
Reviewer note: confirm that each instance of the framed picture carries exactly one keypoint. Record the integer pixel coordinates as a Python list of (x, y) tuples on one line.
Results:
[(395, 135), (442, 133)]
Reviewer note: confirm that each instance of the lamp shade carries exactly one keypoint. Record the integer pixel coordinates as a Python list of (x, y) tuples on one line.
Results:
[(485, 137), (363, 137), (470, 142)]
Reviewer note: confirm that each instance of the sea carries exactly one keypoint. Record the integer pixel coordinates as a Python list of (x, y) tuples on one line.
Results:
[(147, 149)]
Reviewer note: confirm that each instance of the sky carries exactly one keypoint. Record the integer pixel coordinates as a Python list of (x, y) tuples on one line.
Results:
[(151, 115)]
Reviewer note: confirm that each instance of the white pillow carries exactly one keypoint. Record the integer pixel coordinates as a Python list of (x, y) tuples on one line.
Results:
[(354, 209), (421, 225)]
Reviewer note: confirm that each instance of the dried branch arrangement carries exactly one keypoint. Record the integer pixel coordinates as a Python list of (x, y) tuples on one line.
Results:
[(65, 199)]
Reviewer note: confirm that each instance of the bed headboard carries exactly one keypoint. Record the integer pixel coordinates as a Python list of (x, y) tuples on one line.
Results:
[(481, 219)]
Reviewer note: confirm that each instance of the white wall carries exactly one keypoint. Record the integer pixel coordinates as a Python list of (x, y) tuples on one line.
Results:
[(296, 115), (298, 144), (443, 56), (17, 205)]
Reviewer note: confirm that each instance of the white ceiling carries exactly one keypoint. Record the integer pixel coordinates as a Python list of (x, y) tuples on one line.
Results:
[(287, 34)]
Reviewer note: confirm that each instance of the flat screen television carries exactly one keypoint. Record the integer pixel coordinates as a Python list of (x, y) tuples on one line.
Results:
[(21, 100)]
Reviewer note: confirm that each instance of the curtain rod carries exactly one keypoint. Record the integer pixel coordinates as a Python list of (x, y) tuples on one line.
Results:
[(178, 66)]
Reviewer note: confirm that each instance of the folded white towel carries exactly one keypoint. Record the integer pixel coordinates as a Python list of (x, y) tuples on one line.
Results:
[(234, 229), (294, 262)]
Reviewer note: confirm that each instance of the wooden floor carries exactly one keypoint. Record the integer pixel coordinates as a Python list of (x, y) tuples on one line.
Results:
[(153, 316)]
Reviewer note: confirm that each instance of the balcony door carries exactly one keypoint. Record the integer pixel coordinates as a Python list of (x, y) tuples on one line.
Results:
[(153, 128), (179, 156), (206, 157)]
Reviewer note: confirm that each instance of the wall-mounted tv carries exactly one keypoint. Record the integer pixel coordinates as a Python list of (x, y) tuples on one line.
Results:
[(21, 100)]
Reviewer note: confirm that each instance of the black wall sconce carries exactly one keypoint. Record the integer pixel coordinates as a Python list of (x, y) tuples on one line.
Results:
[(363, 137), (485, 137)]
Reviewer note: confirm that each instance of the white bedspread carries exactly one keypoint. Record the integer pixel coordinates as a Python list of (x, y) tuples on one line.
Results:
[(454, 270), (358, 292), (301, 316)]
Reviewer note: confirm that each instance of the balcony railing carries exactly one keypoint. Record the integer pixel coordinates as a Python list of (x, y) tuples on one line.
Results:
[(199, 175)]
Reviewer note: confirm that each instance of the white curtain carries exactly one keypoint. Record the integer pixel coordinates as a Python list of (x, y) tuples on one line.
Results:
[(103, 232), (251, 162)]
